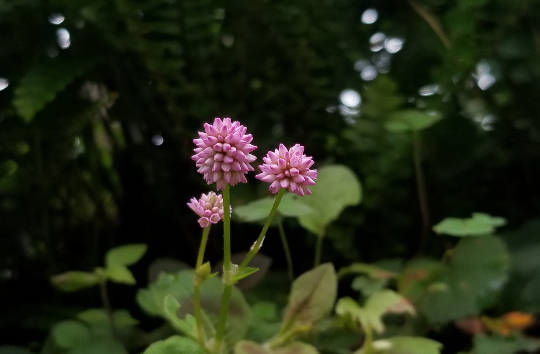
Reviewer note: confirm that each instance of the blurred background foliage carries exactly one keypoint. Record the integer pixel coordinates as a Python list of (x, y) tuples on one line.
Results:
[(99, 101)]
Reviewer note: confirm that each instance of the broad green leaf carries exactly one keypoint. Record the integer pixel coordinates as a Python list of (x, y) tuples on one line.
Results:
[(175, 345), (258, 210), (98, 317), (493, 344), (125, 255), (377, 305), (371, 270), (407, 345), (180, 286), (120, 274), (265, 321), (70, 334), (41, 85), (468, 282), (367, 285), (312, 296), (411, 120), (100, 345), (248, 347), (74, 280), (292, 205), (171, 309), (336, 188), (418, 275), (524, 282), (477, 225), (9, 349), (254, 211)]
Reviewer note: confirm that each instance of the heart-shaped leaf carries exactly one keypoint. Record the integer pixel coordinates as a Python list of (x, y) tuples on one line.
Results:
[(312, 297), (336, 188)]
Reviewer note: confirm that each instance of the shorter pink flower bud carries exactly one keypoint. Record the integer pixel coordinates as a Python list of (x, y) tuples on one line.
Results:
[(288, 169), (209, 207)]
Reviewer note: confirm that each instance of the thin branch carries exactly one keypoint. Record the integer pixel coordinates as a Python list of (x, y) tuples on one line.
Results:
[(432, 21)]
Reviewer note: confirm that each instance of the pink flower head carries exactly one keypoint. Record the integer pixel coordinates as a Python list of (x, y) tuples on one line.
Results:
[(223, 154), (288, 169), (209, 207)]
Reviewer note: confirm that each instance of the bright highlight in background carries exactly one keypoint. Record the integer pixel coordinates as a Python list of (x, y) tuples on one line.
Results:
[(4, 83), (350, 98), (157, 140), (56, 19), (370, 16), (376, 41), (63, 38), (393, 44)]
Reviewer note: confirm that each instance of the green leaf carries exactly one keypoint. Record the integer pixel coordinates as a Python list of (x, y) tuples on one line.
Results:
[(377, 305), (291, 206), (175, 345), (70, 334), (171, 309), (120, 274), (312, 297), (407, 345), (493, 344), (125, 255), (180, 286), (98, 317), (337, 187), (100, 345), (411, 120), (245, 272), (255, 211), (41, 85), (524, 282), (367, 286), (371, 270), (265, 321), (74, 280), (469, 281), (248, 347), (477, 225)]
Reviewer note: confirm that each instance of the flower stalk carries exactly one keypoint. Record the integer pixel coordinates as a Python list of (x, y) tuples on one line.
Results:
[(198, 280), (227, 277), (258, 243), (286, 249)]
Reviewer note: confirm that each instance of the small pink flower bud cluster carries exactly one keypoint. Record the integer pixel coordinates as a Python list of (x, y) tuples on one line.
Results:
[(223, 154), (288, 169), (209, 207)]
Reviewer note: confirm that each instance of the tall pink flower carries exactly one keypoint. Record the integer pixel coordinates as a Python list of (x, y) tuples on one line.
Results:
[(288, 169), (223, 154), (209, 207)]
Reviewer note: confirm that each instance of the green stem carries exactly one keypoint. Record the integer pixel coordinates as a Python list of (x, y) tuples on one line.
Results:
[(226, 297), (286, 249), (222, 321), (421, 188), (367, 348), (197, 287), (318, 250), (258, 243), (106, 303)]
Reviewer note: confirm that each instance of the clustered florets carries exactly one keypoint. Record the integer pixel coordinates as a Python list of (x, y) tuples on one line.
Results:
[(209, 207), (223, 154), (288, 169)]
